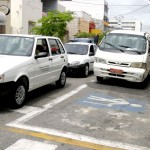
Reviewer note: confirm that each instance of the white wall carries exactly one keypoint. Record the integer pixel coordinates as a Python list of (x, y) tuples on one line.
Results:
[(7, 23), (23, 11)]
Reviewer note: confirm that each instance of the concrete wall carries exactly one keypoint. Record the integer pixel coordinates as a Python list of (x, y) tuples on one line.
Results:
[(21, 12), (7, 22), (73, 27)]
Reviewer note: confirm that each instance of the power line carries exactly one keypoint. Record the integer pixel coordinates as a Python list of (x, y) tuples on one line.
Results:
[(135, 10), (108, 5)]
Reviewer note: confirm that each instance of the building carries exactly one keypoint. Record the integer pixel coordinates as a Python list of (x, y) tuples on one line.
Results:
[(125, 25), (80, 23), (22, 17), (98, 9)]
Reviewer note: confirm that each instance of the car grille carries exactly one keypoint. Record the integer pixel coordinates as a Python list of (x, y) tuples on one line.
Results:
[(118, 63)]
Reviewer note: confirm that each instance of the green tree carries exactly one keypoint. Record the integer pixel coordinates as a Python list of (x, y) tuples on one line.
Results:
[(84, 35), (54, 24)]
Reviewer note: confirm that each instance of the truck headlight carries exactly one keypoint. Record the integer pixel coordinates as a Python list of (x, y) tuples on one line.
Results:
[(100, 60), (138, 65)]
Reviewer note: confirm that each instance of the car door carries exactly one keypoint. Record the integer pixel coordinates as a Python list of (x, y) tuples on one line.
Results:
[(42, 65), (57, 56)]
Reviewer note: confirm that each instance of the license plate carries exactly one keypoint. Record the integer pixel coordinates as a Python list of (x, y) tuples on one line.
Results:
[(116, 71)]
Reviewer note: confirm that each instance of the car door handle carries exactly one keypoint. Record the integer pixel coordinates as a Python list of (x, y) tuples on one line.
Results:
[(62, 56), (50, 59)]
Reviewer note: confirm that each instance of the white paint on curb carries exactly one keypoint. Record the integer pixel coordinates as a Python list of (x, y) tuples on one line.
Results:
[(79, 137)]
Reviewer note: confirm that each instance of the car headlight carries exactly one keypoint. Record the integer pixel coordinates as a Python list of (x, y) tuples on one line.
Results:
[(75, 63), (2, 78), (100, 60), (138, 65)]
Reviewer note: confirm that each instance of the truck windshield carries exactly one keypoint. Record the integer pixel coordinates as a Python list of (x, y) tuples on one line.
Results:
[(124, 43), (16, 45)]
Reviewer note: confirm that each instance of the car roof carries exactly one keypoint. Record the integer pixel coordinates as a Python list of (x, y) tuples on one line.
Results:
[(128, 32)]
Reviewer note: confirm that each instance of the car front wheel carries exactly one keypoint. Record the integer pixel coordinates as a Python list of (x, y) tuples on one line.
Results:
[(18, 95)]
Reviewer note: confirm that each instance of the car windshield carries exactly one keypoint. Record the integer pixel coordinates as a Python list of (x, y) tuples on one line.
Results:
[(124, 43), (15, 45), (76, 49)]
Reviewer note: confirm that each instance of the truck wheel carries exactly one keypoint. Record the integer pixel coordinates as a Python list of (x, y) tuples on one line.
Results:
[(18, 95), (86, 71), (62, 80)]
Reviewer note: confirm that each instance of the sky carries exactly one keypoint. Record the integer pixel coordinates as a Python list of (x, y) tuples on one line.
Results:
[(129, 9)]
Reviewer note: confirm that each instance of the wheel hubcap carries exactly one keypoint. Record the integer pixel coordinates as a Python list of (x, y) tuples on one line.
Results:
[(86, 70), (63, 78), (20, 95)]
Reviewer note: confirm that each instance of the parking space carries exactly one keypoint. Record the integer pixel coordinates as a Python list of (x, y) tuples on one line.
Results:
[(92, 114)]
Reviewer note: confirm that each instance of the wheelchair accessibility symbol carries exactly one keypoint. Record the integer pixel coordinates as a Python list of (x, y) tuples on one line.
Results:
[(98, 101)]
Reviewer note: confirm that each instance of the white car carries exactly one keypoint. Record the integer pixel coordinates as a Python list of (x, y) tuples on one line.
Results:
[(28, 62), (80, 57), (123, 55)]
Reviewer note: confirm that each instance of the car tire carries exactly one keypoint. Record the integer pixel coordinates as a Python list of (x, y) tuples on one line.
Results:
[(99, 79), (19, 94), (62, 80), (86, 71)]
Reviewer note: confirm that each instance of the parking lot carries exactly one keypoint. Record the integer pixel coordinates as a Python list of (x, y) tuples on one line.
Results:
[(83, 115)]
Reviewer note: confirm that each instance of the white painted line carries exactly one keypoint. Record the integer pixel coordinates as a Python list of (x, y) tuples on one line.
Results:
[(37, 111), (64, 97), (25, 109), (28, 116), (79, 137), (19, 124), (25, 144)]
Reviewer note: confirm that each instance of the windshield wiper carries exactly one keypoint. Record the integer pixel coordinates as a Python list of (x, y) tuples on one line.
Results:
[(117, 48), (138, 52), (71, 53), (131, 49), (124, 46)]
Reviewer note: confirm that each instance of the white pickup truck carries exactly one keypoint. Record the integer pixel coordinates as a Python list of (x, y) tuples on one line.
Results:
[(28, 62)]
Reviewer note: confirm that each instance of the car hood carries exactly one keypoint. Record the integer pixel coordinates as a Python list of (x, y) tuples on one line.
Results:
[(11, 62), (73, 58), (123, 57)]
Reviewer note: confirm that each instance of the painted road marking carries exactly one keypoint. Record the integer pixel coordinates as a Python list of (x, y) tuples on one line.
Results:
[(71, 138), (64, 97), (98, 100), (25, 109), (25, 144), (62, 136)]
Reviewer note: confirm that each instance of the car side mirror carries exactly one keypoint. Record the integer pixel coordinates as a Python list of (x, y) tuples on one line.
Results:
[(41, 54)]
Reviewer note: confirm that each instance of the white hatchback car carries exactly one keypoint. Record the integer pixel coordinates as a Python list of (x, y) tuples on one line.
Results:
[(28, 62), (80, 57)]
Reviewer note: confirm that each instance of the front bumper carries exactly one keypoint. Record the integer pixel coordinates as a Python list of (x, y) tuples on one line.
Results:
[(75, 68), (128, 73)]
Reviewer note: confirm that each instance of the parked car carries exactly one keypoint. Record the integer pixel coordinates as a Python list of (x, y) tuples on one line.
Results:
[(80, 57), (85, 40), (123, 55), (28, 62)]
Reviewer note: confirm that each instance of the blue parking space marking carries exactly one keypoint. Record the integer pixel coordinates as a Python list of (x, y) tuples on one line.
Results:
[(99, 100)]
